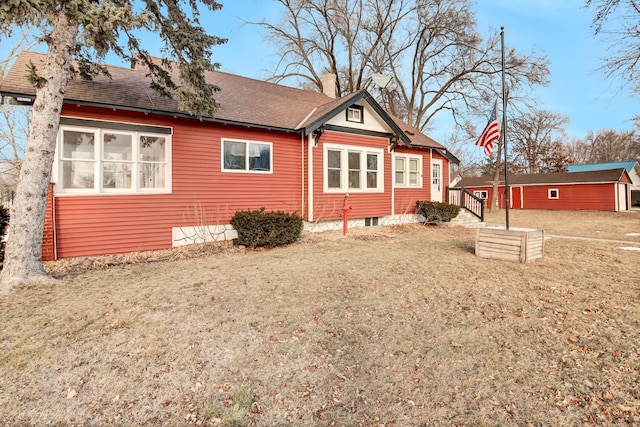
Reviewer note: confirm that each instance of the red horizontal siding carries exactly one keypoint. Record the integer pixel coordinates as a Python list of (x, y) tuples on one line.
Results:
[(94, 225), (405, 198), (600, 197), (571, 197), (328, 206), (104, 224), (48, 235)]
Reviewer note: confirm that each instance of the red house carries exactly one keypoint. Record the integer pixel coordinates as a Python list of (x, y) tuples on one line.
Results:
[(604, 190), (134, 173)]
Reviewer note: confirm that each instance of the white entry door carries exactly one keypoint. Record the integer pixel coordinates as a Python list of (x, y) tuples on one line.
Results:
[(436, 180)]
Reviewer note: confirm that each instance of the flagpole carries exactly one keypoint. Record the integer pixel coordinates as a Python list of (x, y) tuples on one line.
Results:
[(504, 135)]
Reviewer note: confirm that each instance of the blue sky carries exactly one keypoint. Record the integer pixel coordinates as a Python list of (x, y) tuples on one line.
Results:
[(557, 28), (560, 29)]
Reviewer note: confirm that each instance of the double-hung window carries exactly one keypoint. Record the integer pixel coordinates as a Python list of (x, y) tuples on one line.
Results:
[(246, 156), (353, 169), (103, 160), (407, 170)]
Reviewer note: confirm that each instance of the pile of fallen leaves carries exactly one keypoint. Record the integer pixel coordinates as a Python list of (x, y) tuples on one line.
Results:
[(80, 264)]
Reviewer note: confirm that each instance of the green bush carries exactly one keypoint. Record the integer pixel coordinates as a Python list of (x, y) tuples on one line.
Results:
[(260, 228), (4, 222), (445, 211)]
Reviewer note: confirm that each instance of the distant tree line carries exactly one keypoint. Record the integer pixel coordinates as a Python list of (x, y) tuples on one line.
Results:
[(553, 153)]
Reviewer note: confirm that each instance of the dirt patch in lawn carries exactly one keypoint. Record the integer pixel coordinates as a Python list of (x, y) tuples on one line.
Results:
[(396, 326)]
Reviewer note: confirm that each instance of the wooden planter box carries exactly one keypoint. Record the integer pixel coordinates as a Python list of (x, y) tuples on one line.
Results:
[(515, 244)]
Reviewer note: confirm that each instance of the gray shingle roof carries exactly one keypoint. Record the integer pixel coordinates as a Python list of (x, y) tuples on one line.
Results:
[(242, 100), (612, 175)]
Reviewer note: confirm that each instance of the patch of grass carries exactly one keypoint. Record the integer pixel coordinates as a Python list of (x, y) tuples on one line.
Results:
[(401, 326), (243, 398), (235, 414), (212, 409), (121, 324)]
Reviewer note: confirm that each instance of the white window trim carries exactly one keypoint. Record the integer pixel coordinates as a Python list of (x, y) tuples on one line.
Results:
[(56, 173), (482, 194), (344, 159), (407, 163), (557, 193), (246, 141), (360, 110)]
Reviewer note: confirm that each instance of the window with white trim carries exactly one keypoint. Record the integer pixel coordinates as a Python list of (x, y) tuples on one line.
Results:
[(481, 194), (103, 160), (407, 170), (355, 113), (246, 156), (353, 169), (554, 193)]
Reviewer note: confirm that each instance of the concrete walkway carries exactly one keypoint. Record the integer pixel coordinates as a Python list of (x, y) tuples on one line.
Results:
[(595, 239)]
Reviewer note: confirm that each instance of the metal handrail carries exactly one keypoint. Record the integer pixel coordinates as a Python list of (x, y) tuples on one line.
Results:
[(467, 200)]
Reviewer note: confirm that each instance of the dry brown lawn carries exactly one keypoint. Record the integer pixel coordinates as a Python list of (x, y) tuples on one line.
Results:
[(395, 326)]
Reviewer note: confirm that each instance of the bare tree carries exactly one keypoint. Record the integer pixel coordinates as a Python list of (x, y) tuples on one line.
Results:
[(536, 142), (611, 146), (458, 144), (78, 35), (431, 48), (619, 22), (14, 126), (577, 150), (14, 120)]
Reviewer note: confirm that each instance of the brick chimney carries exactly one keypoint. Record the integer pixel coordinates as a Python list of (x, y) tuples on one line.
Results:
[(329, 84)]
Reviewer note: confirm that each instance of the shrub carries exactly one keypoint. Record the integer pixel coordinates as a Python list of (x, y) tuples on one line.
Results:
[(260, 228), (445, 211), (4, 222)]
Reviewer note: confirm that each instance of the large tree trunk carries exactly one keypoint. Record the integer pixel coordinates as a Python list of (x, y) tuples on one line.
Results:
[(23, 253)]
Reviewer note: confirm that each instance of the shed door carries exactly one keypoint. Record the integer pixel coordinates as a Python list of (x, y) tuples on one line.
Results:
[(623, 198)]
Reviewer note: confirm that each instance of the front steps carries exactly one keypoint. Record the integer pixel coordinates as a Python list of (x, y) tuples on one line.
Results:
[(467, 220)]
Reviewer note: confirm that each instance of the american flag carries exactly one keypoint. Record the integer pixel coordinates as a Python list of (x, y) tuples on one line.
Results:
[(490, 133)]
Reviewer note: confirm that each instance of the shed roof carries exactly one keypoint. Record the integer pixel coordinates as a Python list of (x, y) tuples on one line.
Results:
[(627, 165), (242, 100), (563, 178)]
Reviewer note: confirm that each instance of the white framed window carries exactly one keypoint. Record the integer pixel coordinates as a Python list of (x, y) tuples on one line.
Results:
[(481, 194), (554, 193), (407, 170), (355, 113), (349, 169), (247, 156), (100, 160), (371, 221)]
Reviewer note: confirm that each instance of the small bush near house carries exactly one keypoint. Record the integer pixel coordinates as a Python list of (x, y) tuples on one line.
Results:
[(260, 228), (4, 222), (445, 211)]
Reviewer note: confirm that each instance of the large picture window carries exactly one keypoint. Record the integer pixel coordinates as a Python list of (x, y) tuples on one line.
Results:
[(407, 170), (353, 169), (102, 160), (246, 156)]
